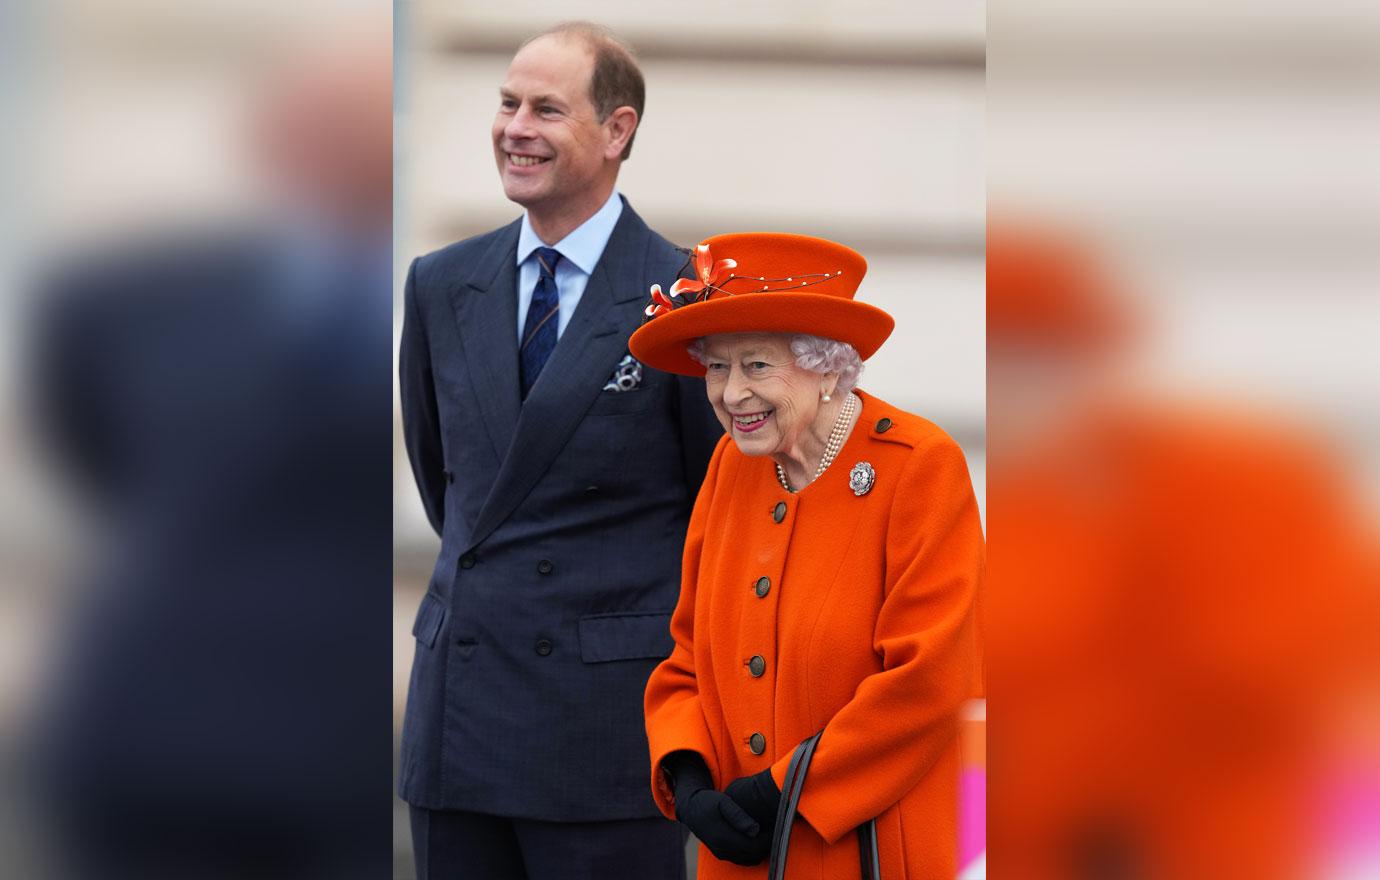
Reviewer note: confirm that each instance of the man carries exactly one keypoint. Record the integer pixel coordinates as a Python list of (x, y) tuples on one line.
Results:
[(560, 476)]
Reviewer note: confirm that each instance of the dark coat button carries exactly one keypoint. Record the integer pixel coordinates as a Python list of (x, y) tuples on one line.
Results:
[(883, 425), (591, 491), (545, 567), (757, 743), (467, 561), (449, 475), (543, 647), (763, 587), (778, 513), (757, 665)]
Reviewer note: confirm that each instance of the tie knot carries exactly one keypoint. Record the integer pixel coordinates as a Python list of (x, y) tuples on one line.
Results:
[(547, 258)]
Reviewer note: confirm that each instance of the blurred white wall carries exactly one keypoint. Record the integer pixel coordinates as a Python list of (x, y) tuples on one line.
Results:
[(1222, 157)]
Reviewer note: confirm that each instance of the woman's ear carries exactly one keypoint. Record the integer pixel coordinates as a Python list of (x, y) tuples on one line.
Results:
[(828, 386)]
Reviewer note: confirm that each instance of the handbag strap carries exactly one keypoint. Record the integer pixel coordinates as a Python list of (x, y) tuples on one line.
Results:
[(790, 800), (867, 850), (796, 770)]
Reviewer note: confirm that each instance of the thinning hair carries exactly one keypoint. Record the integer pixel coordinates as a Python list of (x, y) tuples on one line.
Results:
[(616, 80)]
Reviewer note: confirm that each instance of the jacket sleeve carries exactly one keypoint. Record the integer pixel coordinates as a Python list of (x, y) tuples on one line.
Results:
[(699, 429), (904, 717), (417, 392), (674, 716)]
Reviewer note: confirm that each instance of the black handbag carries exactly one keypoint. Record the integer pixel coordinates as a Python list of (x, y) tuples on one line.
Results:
[(785, 818)]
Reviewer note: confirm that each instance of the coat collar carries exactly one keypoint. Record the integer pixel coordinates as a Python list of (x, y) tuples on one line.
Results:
[(584, 245), (485, 306)]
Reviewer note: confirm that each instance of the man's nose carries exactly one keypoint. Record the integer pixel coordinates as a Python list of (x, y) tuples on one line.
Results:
[(519, 126)]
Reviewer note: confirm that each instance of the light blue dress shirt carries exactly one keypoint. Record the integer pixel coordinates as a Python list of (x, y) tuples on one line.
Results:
[(580, 253)]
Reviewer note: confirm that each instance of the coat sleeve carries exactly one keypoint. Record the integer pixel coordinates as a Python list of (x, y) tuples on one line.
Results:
[(674, 716), (904, 717), (699, 429), (421, 423)]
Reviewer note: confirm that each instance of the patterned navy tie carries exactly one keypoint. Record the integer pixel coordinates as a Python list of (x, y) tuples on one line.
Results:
[(539, 330)]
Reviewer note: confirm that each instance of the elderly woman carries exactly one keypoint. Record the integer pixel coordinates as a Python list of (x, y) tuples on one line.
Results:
[(830, 580)]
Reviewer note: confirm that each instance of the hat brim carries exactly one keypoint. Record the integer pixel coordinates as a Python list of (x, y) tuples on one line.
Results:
[(662, 342)]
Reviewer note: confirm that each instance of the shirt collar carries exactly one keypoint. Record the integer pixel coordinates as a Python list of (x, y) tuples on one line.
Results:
[(584, 245)]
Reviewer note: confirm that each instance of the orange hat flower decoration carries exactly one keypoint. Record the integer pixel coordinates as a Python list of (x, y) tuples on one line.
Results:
[(660, 304), (709, 274)]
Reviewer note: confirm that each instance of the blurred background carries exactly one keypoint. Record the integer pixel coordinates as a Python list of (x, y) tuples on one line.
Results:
[(858, 122), (1183, 445), (1180, 393), (194, 443)]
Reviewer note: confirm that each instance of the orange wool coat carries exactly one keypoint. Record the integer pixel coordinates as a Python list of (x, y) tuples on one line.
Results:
[(865, 611)]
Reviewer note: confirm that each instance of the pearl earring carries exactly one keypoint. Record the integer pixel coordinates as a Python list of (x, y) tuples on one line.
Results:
[(826, 398)]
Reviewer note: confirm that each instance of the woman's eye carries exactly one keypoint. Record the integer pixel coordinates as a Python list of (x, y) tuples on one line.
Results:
[(759, 365)]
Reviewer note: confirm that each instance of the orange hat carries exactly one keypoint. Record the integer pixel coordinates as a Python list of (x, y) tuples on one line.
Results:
[(1047, 289), (764, 282)]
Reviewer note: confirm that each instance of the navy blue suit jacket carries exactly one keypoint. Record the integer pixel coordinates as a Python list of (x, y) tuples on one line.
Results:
[(562, 522)]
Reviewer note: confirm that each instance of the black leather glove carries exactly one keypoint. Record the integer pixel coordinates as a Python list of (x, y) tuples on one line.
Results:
[(719, 823), (759, 797)]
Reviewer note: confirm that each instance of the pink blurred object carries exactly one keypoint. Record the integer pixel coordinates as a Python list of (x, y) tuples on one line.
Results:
[(972, 817), (972, 789)]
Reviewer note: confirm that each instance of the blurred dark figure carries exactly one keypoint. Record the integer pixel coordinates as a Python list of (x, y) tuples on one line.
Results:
[(222, 706), (1183, 606)]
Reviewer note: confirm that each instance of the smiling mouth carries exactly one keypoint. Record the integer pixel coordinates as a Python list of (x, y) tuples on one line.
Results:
[(750, 422), (527, 161)]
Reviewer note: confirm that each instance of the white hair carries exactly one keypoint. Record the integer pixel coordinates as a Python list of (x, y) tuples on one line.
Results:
[(816, 354)]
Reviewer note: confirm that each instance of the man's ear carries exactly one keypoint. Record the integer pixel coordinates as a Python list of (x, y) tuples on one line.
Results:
[(620, 125)]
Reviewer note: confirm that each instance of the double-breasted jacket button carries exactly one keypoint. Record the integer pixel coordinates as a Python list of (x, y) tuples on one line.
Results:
[(757, 665), (467, 561), (778, 512), (545, 567), (543, 647), (757, 743), (591, 491), (883, 425), (762, 587)]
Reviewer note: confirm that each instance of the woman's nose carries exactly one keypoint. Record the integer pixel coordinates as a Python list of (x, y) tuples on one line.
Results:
[(736, 388)]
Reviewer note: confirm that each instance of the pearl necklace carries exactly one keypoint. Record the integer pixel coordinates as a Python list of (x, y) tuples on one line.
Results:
[(834, 444)]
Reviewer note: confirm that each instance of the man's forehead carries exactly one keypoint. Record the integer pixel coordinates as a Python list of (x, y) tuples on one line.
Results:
[(552, 62)]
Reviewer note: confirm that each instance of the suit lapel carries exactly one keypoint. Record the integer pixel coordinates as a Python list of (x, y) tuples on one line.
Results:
[(573, 378), (486, 312)]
